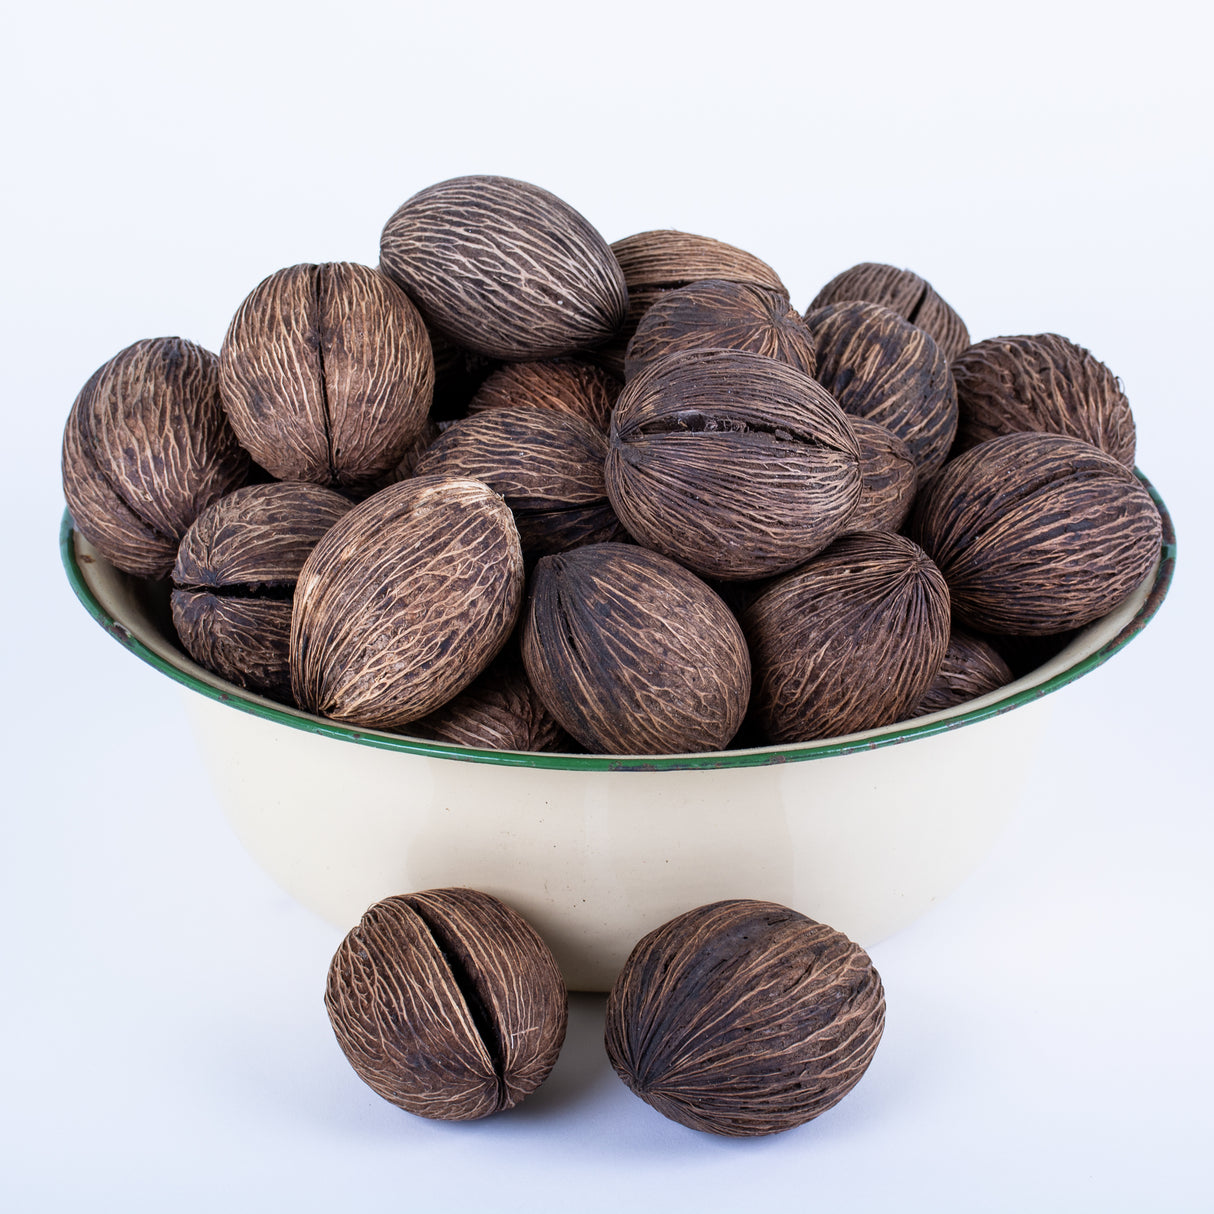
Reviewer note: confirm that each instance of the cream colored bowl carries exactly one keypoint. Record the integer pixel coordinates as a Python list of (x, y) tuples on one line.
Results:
[(864, 832)]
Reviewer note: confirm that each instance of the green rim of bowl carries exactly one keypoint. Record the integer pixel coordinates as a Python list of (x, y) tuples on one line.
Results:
[(234, 697)]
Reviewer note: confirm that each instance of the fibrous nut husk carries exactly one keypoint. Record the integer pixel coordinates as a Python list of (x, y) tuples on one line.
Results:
[(971, 668), (405, 601), (664, 260), (1036, 533), (567, 385), (744, 1018), (327, 374), (447, 1003), (883, 368), (500, 710), (850, 641), (547, 465), (734, 464), (146, 448), (721, 315), (1044, 383), (505, 268), (912, 297), (887, 478), (633, 654), (234, 579)]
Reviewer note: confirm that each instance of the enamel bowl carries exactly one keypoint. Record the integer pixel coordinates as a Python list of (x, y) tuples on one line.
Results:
[(863, 832)]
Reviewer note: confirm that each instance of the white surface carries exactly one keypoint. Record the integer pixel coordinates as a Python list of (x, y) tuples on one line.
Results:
[(1046, 166)]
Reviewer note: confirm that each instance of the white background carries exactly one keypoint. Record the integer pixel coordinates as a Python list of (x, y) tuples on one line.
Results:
[(1046, 165)]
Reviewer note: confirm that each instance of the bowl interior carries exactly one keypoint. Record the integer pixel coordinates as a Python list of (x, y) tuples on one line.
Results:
[(136, 614)]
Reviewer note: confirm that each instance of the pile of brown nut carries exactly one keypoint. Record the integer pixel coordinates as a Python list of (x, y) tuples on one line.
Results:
[(518, 488)]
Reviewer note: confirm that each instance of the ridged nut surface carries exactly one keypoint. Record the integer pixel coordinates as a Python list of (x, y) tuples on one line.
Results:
[(146, 448), (633, 654), (971, 668), (734, 464), (505, 268), (447, 1003), (327, 374), (1037, 533), (850, 641), (887, 478), (405, 601), (744, 1018), (567, 385)]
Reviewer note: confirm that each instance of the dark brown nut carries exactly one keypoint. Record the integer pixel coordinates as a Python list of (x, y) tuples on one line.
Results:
[(567, 385), (1043, 383), (852, 641), (715, 314), (326, 374), (971, 668), (505, 268), (906, 293), (547, 465), (413, 453), (405, 601), (1036, 533), (235, 578), (660, 261), (633, 654), (881, 367), (744, 1018), (447, 1003), (887, 475), (735, 465), (145, 449), (499, 711)]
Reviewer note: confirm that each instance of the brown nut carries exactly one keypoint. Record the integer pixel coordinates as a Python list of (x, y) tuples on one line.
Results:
[(505, 268), (660, 261), (883, 368), (1043, 383), (447, 1003), (633, 654), (566, 385), (725, 316), (146, 448), (971, 668), (744, 1018), (547, 465), (912, 297), (326, 374), (234, 579), (405, 601), (1036, 533), (850, 641), (887, 478), (735, 465)]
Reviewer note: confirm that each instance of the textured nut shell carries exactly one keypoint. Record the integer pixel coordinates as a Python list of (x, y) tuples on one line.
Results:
[(405, 601), (664, 260), (146, 447), (1045, 383), (883, 368), (851, 641), (327, 374), (887, 478), (1036, 533), (912, 297), (744, 1018), (447, 1003), (970, 668), (721, 315), (253, 542), (505, 268), (735, 465), (547, 465), (499, 711), (564, 386), (633, 654)]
